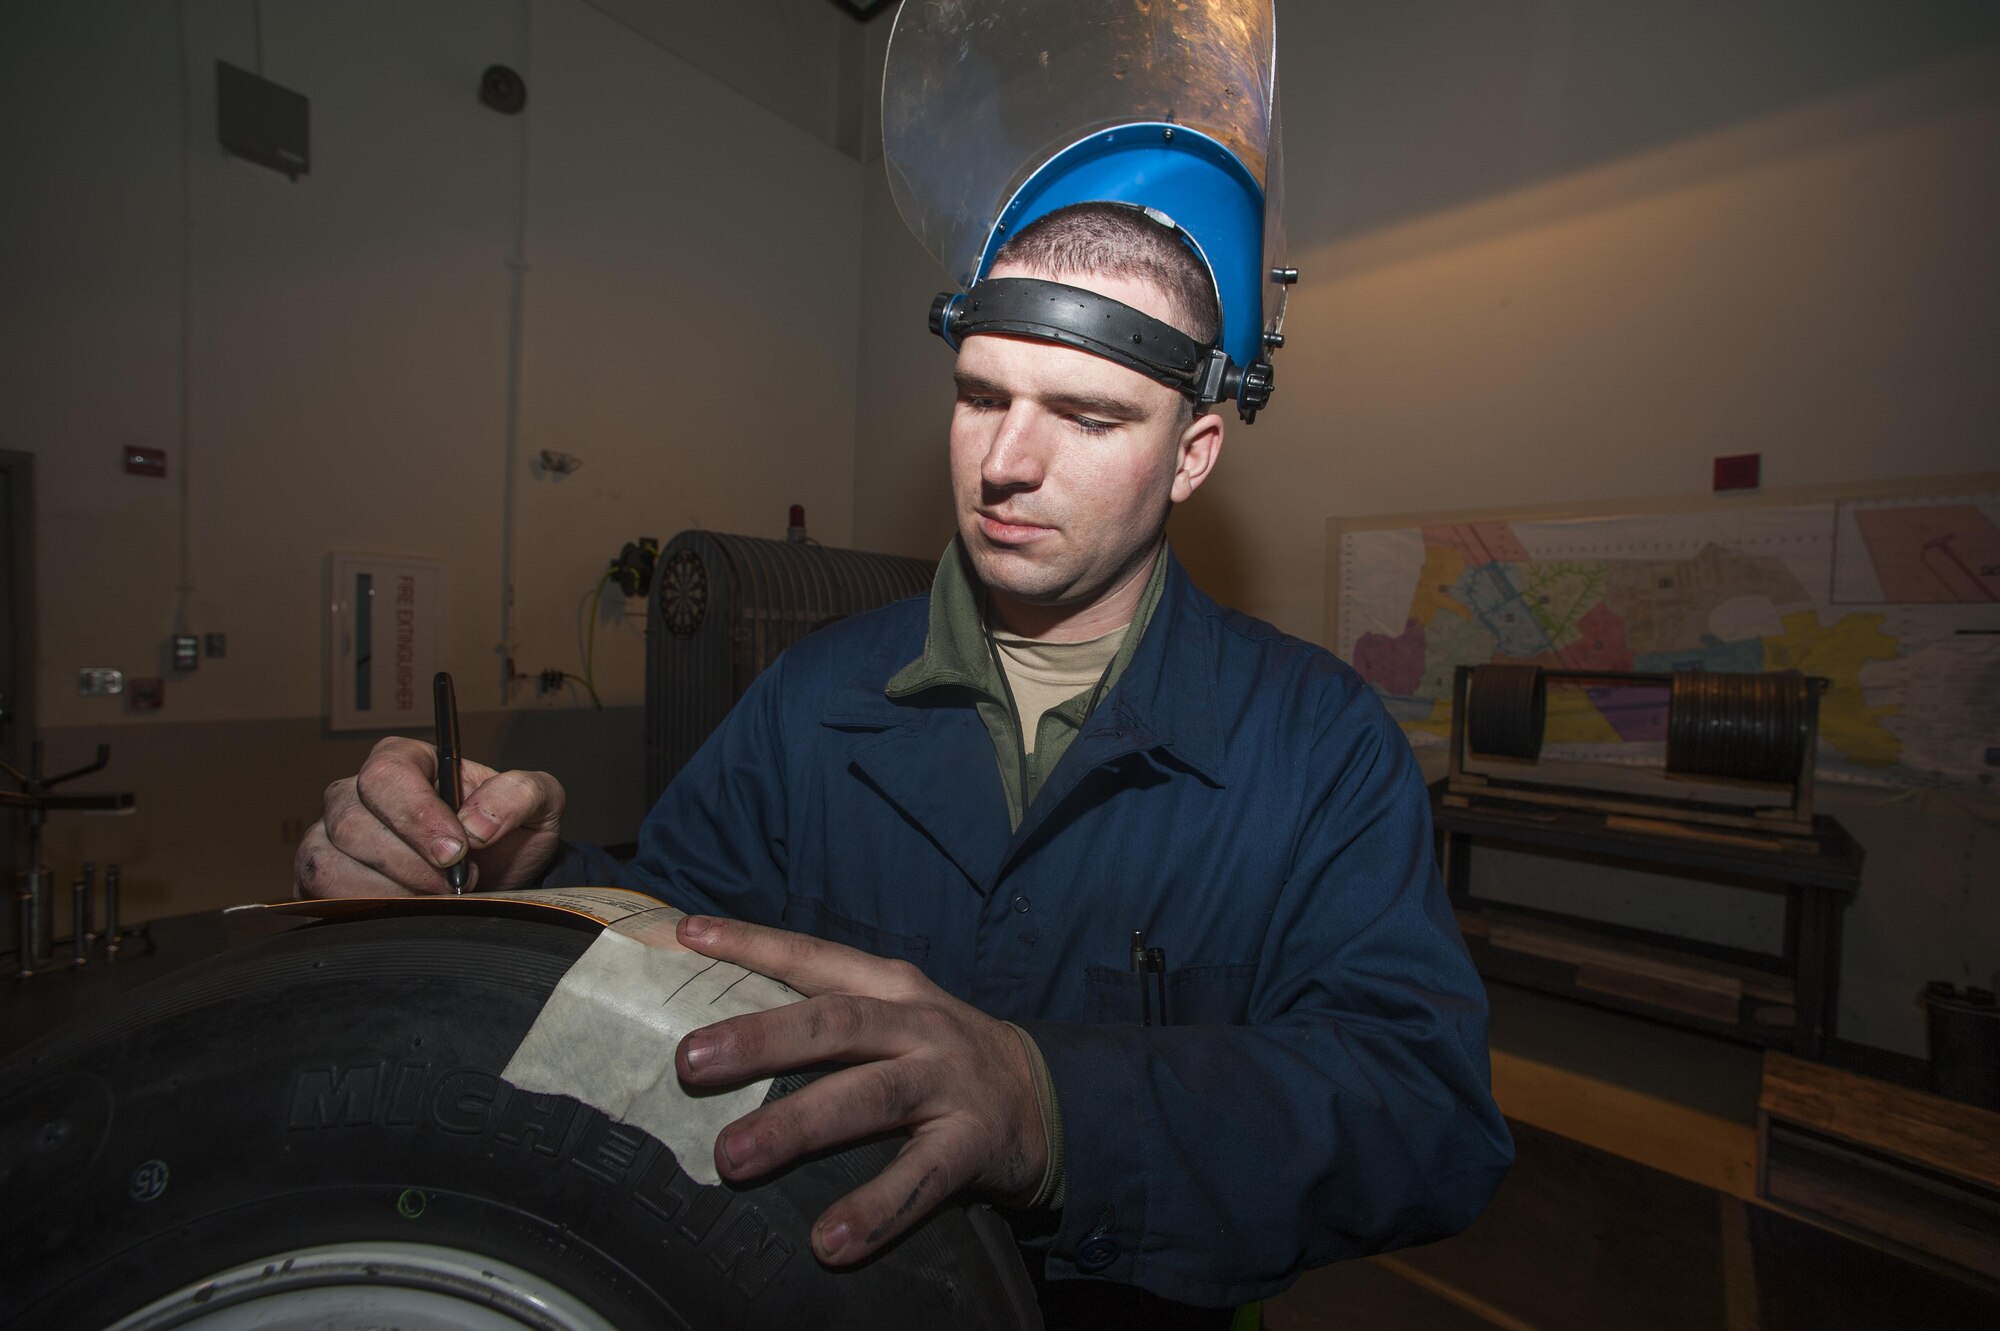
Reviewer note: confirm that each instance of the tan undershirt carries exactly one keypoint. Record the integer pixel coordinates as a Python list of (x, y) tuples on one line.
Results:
[(1044, 675)]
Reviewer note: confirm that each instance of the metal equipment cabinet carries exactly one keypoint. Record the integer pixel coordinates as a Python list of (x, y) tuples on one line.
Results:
[(1788, 1002)]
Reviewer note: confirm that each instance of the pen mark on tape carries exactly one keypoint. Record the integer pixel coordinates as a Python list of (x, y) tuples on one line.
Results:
[(688, 981)]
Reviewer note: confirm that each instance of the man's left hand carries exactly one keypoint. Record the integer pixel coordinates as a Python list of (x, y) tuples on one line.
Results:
[(957, 1079)]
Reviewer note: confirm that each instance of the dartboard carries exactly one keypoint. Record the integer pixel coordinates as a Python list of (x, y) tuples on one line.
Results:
[(684, 593)]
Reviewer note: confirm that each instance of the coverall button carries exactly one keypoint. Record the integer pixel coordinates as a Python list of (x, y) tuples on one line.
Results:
[(1095, 1253), (1021, 905)]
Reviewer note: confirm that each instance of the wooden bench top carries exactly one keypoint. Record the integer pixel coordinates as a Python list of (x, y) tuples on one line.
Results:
[(1955, 1139)]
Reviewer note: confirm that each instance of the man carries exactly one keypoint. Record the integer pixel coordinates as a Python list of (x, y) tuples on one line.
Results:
[(938, 820)]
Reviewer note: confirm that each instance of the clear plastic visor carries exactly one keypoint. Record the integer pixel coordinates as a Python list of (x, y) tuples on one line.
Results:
[(978, 94)]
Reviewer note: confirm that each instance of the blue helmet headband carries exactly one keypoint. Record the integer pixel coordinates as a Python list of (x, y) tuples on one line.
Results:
[(1086, 321), (1075, 317)]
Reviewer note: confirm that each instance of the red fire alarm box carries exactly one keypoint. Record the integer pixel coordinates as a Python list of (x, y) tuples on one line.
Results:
[(1739, 471)]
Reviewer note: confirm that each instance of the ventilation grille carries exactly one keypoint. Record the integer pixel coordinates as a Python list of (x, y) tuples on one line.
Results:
[(722, 609)]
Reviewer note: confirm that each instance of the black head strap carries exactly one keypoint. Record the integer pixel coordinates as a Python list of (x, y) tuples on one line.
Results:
[(1074, 317)]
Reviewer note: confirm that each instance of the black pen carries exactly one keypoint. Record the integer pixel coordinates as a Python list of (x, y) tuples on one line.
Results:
[(450, 780), (1150, 965)]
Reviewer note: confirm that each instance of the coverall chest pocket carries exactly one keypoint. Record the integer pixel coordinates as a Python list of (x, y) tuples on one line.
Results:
[(1196, 995)]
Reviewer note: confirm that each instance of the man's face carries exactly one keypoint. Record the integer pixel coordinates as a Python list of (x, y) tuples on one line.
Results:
[(1064, 466)]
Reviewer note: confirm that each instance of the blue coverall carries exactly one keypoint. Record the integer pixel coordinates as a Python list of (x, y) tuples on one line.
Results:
[(1321, 1088)]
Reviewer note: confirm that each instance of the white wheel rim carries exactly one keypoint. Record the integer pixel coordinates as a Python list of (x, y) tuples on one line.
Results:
[(411, 1286)]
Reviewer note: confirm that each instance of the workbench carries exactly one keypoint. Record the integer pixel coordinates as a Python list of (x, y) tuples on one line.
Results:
[(1914, 1174), (1788, 1001)]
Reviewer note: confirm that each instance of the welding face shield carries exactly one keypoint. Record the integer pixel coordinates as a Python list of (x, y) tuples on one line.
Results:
[(998, 112)]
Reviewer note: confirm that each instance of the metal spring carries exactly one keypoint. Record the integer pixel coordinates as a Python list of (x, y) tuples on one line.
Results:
[(1742, 727), (1507, 709)]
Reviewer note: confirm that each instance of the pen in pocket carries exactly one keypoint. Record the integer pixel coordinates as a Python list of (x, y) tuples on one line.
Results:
[(1150, 965)]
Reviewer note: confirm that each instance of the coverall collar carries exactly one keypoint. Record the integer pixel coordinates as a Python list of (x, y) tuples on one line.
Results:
[(1155, 692), (1161, 708)]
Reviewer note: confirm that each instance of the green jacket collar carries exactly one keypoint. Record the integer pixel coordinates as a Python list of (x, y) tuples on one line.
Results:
[(955, 650)]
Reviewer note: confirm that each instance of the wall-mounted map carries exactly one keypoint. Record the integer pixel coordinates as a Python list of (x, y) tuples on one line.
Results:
[(1894, 599)]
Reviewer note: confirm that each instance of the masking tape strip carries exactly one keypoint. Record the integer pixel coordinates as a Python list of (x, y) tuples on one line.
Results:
[(608, 1033), (606, 905)]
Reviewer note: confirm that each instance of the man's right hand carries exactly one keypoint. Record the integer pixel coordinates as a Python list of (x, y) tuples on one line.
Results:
[(385, 832)]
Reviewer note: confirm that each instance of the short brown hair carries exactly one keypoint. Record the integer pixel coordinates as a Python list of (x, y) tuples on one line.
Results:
[(1119, 240)]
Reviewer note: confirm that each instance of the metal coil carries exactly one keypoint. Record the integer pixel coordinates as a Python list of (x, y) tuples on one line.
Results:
[(1507, 708), (1741, 727)]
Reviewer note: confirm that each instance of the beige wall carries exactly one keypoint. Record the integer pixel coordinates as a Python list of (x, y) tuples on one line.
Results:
[(1558, 251), (798, 59), (356, 378)]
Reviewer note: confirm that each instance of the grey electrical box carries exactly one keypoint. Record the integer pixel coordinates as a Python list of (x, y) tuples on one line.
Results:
[(100, 681), (262, 122)]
